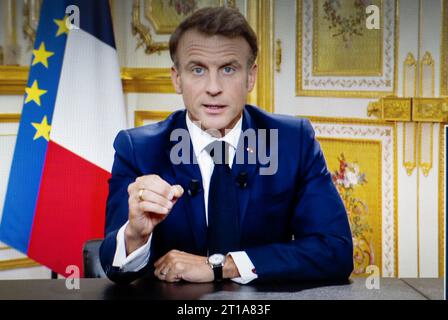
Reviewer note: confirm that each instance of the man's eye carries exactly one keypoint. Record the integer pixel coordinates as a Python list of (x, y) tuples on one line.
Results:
[(228, 70), (198, 71)]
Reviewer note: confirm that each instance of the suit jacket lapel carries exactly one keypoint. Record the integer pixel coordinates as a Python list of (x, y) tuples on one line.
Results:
[(243, 168), (189, 177)]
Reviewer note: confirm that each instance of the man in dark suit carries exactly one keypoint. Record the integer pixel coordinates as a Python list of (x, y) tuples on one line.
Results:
[(244, 195)]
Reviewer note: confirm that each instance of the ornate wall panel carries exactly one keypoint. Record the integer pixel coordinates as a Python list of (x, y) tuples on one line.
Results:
[(362, 157), (338, 56)]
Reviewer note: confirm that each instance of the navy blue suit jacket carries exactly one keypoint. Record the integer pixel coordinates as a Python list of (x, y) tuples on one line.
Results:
[(293, 223)]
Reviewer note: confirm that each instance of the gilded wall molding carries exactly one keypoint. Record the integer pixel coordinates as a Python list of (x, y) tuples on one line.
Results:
[(31, 12), (13, 80), (144, 33), (425, 150), (161, 23), (409, 75), (410, 109), (430, 109), (391, 109), (18, 264), (10, 117), (409, 147), (278, 55), (444, 50), (427, 76), (147, 80), (141, 115), (260, 14), (396, 109)]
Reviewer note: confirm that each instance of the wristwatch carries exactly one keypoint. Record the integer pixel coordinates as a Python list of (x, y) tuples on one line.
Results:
[(216, 262)]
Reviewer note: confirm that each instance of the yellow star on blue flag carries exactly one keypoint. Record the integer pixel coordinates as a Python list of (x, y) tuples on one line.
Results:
[(41, 55), (42, 129), (34, 93), (62, 26)]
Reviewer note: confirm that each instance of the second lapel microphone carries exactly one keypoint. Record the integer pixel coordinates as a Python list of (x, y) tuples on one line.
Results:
[(193, 188), (241, 179)]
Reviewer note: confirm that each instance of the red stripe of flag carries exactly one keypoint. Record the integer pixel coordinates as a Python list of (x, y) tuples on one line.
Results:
[(70, 209)]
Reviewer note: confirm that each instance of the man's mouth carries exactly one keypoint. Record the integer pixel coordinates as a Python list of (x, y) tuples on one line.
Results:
[(214, 109), (214, 106)]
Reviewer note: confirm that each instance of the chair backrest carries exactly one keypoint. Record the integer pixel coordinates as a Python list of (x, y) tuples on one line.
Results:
[(91, 259)]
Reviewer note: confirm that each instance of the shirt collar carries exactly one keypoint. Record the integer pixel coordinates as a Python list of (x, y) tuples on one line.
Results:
[(200, 139)]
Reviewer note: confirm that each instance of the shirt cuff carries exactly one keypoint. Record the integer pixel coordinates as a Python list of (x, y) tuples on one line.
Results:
[(245, 267), (136, 260)]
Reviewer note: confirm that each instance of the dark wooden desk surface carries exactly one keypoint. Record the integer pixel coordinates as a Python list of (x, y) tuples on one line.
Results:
[(103, 289)]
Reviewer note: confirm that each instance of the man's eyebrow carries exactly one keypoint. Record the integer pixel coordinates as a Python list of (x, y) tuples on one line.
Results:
[(201, 64), (231, 62), (194, 63)]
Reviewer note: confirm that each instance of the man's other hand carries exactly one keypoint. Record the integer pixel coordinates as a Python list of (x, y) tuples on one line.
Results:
[(178, 265)]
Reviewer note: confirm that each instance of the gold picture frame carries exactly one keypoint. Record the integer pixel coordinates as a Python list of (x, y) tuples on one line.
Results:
[(363, 201), (353, 130), (327, 81), (141, 115), (165, 15)]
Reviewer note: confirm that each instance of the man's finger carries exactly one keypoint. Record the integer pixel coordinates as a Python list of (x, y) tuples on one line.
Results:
[(152, 207), (160, 275), (178, 191), (159, 262), (151, 196), (156, 184)]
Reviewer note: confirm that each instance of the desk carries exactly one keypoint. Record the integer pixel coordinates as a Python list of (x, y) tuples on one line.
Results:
[(103, 289)]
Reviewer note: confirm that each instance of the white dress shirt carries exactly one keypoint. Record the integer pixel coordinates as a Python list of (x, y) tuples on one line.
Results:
[(200, 139)]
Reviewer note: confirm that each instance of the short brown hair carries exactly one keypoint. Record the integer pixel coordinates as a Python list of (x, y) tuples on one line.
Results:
[(224, 21)]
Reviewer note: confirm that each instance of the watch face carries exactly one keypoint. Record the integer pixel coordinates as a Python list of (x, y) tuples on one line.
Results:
[(216, 259)]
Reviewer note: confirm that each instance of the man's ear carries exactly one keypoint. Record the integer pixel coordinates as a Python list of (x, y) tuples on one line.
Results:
[(252, 77), (175, 79)]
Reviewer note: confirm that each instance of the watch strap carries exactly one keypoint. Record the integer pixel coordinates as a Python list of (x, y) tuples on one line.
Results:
[(217, 271)]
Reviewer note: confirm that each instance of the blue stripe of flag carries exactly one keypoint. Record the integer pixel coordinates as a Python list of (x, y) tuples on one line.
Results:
[(95, 18), (29, 155)]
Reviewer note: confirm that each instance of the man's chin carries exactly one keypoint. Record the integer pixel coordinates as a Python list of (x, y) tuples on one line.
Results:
[(210, 125)]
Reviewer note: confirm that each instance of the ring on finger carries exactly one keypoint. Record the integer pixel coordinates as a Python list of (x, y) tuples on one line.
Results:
[(140, 194)]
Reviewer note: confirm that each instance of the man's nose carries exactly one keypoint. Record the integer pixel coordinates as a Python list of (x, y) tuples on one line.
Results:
[(214, 87)]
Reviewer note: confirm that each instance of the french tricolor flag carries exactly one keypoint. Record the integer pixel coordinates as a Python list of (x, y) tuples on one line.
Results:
[(73, 108)]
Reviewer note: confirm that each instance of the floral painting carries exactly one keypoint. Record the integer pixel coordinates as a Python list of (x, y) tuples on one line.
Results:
[(347, 178), (355, 168)]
